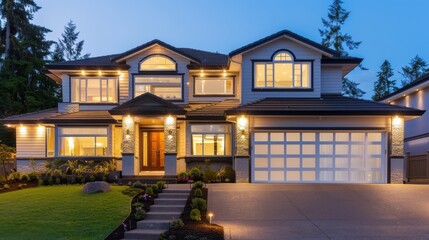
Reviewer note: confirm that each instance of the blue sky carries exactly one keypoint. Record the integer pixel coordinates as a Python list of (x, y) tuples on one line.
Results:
[(396, 30)]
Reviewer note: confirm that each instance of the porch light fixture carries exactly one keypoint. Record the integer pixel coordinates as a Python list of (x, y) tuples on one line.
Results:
[(169, 120), (242, 123), (202, 73), (397, 121), (22, 129), (128, 121), (224, 73), (210, 217), (99, 73), (8, 125), (83, 72), (40, 129), (170, 134)]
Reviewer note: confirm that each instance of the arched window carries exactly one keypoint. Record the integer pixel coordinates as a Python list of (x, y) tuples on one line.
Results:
[(157, 63), (283, 71)]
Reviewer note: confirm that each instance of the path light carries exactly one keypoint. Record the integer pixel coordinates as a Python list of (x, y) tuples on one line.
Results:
[(210, 217)]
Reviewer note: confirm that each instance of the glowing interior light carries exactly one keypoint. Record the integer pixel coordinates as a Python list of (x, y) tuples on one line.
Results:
[(83, 72), (99, 72)]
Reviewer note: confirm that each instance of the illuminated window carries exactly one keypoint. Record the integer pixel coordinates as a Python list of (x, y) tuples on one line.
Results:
[(283, 72), (214, 86), (94, 90), (157, 63), (83, 141), (211, 140), (50, 142), (117, 142), (167, 87)]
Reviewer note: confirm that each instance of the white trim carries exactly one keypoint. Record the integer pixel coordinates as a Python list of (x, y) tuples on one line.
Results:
[(151, 46)]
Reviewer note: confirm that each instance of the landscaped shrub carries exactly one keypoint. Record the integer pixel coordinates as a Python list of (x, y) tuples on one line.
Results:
[(41, 182), (198, 193), (91, 178), (161, 184), (33, 176), (14, 176), (73, 180), (138, 204), (50, 181), (137, 184), (2, 180), (131, 191), (140, 214), (6, 186), (24, 177), (177, 224), (58, 181), (22, 185), (149, 191), (229, 174), (198, 184), (183, 177), (82, 180), (195, 215), (195, 173), (209, 176), (154, 188), (199, 203)]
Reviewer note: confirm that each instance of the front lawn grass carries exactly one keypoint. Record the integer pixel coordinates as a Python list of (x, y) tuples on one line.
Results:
[(61, 212)]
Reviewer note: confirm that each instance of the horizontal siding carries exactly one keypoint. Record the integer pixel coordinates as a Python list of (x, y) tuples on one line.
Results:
[(331, 81), (320, 122), (265, 52), (181, 142), (123, 87), (419, 100), (30, 142), (182, 63)]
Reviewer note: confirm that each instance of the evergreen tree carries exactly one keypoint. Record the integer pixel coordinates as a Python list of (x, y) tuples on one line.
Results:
[(68, 47), (384, 84), (416, 68), (23, 85), (332, 36)]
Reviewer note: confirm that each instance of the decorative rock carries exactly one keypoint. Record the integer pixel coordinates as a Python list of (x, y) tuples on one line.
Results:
[(98, 186)]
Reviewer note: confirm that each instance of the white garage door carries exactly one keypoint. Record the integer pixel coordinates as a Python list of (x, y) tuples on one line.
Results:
[(323, 156)]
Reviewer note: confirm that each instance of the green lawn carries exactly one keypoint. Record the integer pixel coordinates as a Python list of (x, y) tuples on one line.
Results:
[(61, 212)]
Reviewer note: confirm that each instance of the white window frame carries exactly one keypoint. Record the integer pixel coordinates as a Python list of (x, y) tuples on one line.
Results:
[(271, 73), (167, 84), (231, 78), (203, 133), (158, 70), (63, 136), (100, 80)]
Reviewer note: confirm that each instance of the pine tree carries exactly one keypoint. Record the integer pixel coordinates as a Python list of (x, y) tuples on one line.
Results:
[(23, 85), (416, 68), (332, 36), (384, 84), (68, 47)]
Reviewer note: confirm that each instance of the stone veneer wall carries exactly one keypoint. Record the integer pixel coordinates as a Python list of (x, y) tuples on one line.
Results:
[(68, 107)]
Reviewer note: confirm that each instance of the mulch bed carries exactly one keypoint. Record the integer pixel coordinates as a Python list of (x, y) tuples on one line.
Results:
[(130, 222), (202, 229), (14, 186)]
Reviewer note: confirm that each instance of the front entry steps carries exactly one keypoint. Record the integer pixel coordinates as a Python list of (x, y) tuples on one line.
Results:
[(168, 207)]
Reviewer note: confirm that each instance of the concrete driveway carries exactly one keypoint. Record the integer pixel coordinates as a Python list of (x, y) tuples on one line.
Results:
[(320, 211)]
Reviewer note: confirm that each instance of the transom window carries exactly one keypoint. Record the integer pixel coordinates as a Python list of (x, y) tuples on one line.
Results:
[(94, 90), (167, 87), (83, 141), (211, 139), (282, 72), (157, 63), (214, 86)]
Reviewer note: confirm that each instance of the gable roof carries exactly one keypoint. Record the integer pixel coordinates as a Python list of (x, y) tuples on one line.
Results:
[(32, 118), (281, 34), (91, 63), (326, 105), (419, 83), (213, 111), (147, 104)]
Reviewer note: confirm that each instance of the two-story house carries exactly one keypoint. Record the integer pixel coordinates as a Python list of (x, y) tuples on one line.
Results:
[(272, 110)]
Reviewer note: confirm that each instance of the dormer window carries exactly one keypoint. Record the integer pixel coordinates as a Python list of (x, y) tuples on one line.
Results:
[(157, 62), (282, 72)]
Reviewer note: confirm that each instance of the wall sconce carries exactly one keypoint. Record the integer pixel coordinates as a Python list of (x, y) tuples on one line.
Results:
[(169, 120), (128, 120), (396, 122), (242, 123), (170, 134)]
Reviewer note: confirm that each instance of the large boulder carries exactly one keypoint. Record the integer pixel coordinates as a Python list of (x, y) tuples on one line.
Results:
[(98, 186)]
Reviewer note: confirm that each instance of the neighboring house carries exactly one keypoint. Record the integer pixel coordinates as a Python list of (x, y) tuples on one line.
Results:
[(415, 95), (272, 110)]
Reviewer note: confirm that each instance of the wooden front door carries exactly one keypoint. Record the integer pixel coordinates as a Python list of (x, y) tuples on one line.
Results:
[(152, 151)]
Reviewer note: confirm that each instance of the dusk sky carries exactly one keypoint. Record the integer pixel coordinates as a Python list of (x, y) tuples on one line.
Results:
[(389, 29)]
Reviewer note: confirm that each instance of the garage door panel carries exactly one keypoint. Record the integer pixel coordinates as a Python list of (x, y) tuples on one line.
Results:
[(338, 157)]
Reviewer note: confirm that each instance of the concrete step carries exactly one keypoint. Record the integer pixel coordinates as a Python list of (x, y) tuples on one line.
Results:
[(154, 224), (170, 201), (146, 234), (173, 195), (163, 215), (169, 190), (167, 208)]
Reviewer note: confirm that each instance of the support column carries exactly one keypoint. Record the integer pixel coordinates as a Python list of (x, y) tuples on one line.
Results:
[(170, 146), (128, 143), (242, 156), (397, 159)]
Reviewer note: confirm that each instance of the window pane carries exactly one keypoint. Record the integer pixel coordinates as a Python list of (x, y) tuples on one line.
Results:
[(209, 144), (50, 141), (261, 137), (292, 162), (277, 137), (75, 90), (309, 175), (308, 137), (207, 86), (277, 175), (210, 128), (261, 149), (167, 87), (101, 146), (117, 142), (277, 149), (283, 56), (305, 74), (308, 162), (157, 63), (104, 90), (83, 131), (297, 75), (326, 137), (283, 75), (292, 137), (261, 162), (77, 146), (220, 144), (292, 175), (309, 149), (197, 144), (261, 175), (112, 91), (83, 90), (260, 75), (277, 162), (293, 149), (93, 88)]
